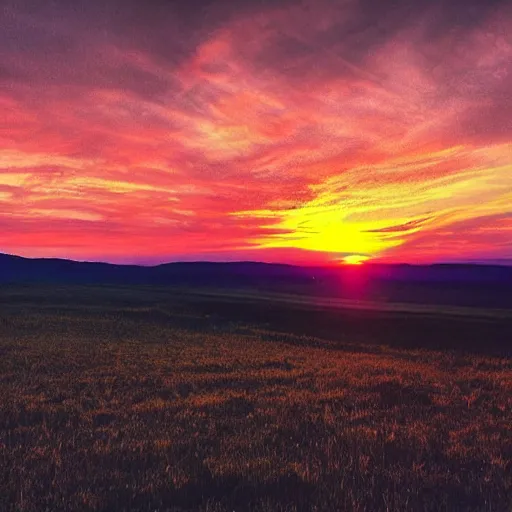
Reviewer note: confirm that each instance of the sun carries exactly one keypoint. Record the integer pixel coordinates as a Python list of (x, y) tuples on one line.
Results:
[(355, 259)]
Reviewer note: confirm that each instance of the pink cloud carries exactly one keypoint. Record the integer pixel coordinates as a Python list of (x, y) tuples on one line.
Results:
[(279, 131)]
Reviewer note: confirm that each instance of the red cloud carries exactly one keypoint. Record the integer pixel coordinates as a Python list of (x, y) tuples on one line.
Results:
[(277, 133)]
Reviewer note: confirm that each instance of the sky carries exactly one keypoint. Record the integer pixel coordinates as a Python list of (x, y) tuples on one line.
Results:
[(297, 132)]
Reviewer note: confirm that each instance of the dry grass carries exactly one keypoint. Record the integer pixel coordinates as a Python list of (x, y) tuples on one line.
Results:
[(104, 411)]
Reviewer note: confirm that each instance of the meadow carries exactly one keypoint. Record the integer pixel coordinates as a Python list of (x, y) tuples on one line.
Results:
[(145, 399)]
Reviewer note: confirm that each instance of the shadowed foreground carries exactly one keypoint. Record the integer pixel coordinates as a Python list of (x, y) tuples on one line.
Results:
[(133, 407)]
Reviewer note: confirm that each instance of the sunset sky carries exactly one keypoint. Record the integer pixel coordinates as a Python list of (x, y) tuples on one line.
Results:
[(300, 132)]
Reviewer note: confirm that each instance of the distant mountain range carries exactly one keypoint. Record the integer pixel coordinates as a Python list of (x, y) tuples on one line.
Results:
[(478, 285)]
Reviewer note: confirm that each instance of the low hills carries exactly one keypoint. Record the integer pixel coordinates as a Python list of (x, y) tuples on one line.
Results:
[(451, 284)]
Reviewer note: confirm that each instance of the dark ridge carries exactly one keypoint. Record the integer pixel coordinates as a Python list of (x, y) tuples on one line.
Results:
[(451, 284)]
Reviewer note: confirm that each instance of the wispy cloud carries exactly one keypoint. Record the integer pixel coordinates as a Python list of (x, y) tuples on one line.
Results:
[(276, 130)]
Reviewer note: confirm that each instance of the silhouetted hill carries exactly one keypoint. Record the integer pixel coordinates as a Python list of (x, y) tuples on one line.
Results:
[(474, 285)]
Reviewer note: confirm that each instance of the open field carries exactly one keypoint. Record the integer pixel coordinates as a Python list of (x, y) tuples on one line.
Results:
[(145, 399)]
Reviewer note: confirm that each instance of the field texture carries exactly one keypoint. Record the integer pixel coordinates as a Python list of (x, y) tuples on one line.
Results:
[(132, 402)]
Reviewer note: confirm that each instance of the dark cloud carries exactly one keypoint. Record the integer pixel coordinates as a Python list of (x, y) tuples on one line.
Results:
[(168, 29), (394, 15), (60, 40)]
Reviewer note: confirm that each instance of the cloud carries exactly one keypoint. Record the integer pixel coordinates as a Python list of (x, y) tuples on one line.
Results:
[(328, 127)]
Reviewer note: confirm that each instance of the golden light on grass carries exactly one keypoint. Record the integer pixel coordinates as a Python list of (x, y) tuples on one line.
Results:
[(213, 407), (355, 259)]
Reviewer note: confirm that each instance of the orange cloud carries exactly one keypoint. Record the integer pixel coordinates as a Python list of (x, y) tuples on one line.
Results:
[(275, 133)]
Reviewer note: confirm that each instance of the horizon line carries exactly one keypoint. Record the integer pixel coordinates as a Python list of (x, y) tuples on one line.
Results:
[(500, 262)]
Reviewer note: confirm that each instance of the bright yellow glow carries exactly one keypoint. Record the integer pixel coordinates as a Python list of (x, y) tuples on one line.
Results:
[(355, 259), (376, 209)]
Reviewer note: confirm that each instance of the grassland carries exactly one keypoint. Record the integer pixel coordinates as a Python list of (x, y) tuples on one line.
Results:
[(147, 400)]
